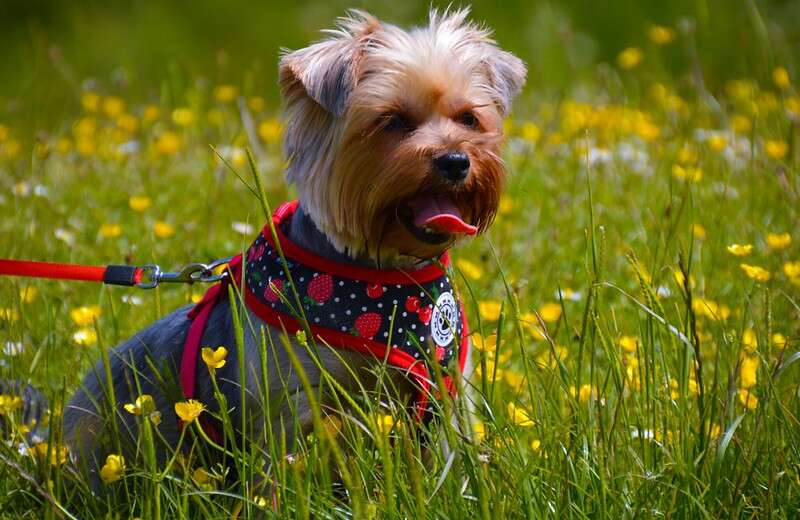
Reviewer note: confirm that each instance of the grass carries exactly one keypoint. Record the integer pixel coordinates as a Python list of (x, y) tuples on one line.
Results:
[(628, 364)]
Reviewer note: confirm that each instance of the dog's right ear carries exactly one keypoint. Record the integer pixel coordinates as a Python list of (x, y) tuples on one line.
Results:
[(327, 71)]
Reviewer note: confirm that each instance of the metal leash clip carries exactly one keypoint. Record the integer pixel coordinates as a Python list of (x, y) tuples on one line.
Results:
[(152, 275)]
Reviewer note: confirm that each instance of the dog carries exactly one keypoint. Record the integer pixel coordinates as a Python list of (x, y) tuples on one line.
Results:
[(392, 139)]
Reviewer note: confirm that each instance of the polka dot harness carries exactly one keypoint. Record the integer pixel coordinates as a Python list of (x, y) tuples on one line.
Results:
[(410, 318)]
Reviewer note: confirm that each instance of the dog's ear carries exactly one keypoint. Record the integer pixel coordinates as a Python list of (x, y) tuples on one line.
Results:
[(327, 71), (506, 74)]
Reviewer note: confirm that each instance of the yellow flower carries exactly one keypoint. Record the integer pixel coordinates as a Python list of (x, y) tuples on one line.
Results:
[(780, 76), (584, 394), (139, 203), (214, 358), (216, 117), (8, 314), (151, 113), (113, 469), (647, 130), (63, 145), (127, 123), (741, 124), (85, 336), (661, 35), (189, 410), (776, 149), (674, 393), (183, 116), (710, 309), (155, 417), (86, 147), (489, 309), (10, 403), (519, 416), (90, 101), (531, 323), (479, 431), (536, 445), (256, 104), (717, 143), (144, 405), (550, 312), (690, 173), (469, 269), (793, 106), (748, 370), (778, 241), (747, 399), (779, 340), (755, 272), (629, 343), (530, 131), (698, 231), (113, 106), (110, 230), (168, 143), (630, 58), (28, 293), (740, 249), (749, 341), (506, 206), (85, 315), (792, 269), (386, 423), (513, 379), (687, 156), (58, 455), (226, 93), (163, 229), (487, 344), (270, 130)]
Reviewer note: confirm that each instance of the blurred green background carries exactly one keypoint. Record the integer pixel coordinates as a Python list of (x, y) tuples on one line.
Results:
[(152, 50)]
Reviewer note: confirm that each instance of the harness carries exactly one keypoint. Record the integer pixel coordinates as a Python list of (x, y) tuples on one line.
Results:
[(412, 319)]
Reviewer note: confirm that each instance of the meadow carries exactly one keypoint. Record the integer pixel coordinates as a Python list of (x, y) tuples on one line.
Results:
[(635, 308)]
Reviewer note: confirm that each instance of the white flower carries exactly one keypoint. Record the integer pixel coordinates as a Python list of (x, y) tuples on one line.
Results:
[(13, 348), (132, 299), (68, 237), (242, 228)]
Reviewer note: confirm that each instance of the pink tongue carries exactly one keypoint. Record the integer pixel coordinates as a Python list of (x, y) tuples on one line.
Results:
[(439, 213)]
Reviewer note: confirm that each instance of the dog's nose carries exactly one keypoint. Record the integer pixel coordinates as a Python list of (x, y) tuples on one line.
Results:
[(453, 166)]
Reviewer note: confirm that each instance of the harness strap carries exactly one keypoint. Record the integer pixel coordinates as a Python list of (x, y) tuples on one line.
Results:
[(199, 315)]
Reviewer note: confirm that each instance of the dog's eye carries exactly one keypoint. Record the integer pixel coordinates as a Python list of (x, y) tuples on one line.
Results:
[(468, 119), (396, 122)]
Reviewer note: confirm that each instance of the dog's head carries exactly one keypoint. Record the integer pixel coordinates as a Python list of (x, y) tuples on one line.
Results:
[(392, 136)]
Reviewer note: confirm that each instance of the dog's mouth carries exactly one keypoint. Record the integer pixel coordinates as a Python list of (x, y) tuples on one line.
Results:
[(434, 219)]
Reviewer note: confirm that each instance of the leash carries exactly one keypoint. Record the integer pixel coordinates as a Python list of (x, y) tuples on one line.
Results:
[(146, 276)]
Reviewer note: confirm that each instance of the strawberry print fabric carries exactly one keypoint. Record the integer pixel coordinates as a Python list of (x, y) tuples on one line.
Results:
[(419, 317)]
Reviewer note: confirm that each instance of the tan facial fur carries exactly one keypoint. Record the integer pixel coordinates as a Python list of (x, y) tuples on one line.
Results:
[(367, 111)]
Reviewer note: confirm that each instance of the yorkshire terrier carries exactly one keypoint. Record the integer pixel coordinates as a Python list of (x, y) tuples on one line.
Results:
[(393, 140)]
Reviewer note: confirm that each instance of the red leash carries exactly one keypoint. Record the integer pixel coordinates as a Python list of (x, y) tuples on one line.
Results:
[(145, 277)]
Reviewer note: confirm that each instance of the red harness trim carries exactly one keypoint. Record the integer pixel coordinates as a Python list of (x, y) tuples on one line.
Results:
[(414, 367), (290, 249)]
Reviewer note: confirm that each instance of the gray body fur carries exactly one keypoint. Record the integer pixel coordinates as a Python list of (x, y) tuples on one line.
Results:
[(160, 346)]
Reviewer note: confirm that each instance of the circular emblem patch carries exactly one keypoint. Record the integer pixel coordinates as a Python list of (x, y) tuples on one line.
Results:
[(443, 319)]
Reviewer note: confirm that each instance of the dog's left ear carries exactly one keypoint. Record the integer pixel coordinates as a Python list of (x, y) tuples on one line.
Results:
[(327, 71), (506, 74)]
